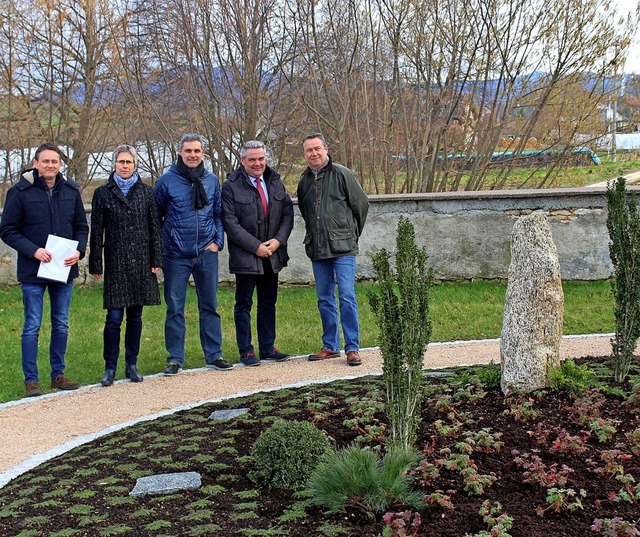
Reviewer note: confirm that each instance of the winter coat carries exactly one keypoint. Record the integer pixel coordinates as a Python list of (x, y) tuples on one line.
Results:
[(32, 213), (187, 232), (334, 208), (245, 224), (128, 230)]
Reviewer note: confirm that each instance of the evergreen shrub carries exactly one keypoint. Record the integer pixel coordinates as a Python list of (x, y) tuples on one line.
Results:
[(286, 453), (400, 301), (623, 223)]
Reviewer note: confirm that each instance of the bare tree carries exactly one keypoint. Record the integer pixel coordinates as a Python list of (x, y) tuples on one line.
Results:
[(149, 107), (221, 61), (62, 57), (415, 96), (331, 71)]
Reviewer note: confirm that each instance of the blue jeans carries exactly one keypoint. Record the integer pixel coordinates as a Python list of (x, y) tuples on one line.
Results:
[(177, 271), (328, 273), (33, 299), (132, 334)]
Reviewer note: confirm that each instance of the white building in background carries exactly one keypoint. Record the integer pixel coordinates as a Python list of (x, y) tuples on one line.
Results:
[(624, 142)]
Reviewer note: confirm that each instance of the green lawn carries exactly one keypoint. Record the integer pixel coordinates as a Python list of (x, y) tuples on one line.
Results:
[(570, 176), (460, 311)]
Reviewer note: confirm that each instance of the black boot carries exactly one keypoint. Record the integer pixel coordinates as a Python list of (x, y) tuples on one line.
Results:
[(109, 375), (131, 372)]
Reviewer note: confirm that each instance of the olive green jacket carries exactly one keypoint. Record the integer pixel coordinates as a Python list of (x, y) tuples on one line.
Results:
[(334, 208)]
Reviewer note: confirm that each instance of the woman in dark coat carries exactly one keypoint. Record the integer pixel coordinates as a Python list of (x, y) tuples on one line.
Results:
[(124, 222)]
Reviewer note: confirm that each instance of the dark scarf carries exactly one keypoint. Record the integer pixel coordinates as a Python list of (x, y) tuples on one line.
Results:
[(195, 177)]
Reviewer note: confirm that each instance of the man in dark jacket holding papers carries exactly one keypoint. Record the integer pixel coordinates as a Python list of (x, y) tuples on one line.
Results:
[(44, 203)]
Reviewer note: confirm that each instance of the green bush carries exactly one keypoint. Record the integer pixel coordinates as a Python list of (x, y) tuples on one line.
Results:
[(286, 453), (358, 478), (571, 377), (623, 223), (490, 376), (400, 301)]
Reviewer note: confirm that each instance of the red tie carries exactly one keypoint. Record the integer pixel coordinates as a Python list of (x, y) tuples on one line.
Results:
[(262, 196)]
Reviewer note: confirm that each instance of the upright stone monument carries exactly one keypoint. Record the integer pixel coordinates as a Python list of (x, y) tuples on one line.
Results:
[(534, 307)]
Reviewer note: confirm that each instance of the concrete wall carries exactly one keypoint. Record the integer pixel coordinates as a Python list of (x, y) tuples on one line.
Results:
[(467, 234)]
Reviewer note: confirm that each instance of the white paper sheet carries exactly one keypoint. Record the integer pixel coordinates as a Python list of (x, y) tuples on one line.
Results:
[(60, 249)]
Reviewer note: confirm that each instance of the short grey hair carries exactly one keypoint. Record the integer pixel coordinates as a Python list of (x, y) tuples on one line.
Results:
[(313, 135), (191, 137), (125, 148), (251, 144)]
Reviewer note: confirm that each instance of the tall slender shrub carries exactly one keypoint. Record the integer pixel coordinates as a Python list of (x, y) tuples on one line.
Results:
[(623, 223), (400, 301)]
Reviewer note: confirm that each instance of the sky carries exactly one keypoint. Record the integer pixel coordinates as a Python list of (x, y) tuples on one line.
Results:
[(633, 58)]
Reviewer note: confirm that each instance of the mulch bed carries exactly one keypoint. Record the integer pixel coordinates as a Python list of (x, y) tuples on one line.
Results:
[(86, 491)]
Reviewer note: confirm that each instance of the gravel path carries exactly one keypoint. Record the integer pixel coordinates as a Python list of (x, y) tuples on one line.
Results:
[(37, 429)]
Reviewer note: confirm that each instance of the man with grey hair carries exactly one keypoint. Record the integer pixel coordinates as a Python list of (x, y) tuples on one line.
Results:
[(189, 205), (257, 213)]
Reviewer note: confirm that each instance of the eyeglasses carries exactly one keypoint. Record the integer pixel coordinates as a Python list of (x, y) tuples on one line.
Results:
[(129, 162)]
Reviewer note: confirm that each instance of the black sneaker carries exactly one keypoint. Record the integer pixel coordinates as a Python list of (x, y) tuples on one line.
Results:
[(250, 359), (275, 356), (220, 364), (172, 369)]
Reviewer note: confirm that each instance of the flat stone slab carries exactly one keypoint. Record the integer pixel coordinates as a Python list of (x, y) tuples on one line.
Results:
[(226, 415), (166, 483)]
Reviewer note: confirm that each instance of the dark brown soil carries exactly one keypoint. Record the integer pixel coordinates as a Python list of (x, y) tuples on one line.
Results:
[(86, 491)]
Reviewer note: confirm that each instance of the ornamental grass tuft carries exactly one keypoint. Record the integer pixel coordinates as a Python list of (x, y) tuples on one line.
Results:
[(360, 478)]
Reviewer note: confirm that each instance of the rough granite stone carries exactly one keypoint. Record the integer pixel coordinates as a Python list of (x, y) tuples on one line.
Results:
[(166, 483), (534, 307), (226, 415)]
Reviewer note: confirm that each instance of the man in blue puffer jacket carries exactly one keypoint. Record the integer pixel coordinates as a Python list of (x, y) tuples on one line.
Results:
[(189, 204)]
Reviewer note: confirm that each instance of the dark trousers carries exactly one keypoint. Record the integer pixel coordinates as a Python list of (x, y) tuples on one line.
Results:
[(132, 334), (266, 287)]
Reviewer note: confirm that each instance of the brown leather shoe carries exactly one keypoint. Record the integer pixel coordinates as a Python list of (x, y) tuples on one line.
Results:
[(33, 389), (63, 383), (353, 358), (323, 355)]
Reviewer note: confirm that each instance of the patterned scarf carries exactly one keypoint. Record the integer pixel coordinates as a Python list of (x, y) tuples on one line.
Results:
[(125, 184)]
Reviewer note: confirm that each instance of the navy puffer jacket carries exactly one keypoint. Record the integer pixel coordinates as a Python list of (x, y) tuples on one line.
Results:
[(187, 232)]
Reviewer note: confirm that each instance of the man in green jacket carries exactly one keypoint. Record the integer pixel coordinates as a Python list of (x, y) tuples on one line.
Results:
[(334, 208)]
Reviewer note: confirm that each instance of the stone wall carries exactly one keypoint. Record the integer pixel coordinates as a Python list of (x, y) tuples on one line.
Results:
[(466, 234)]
